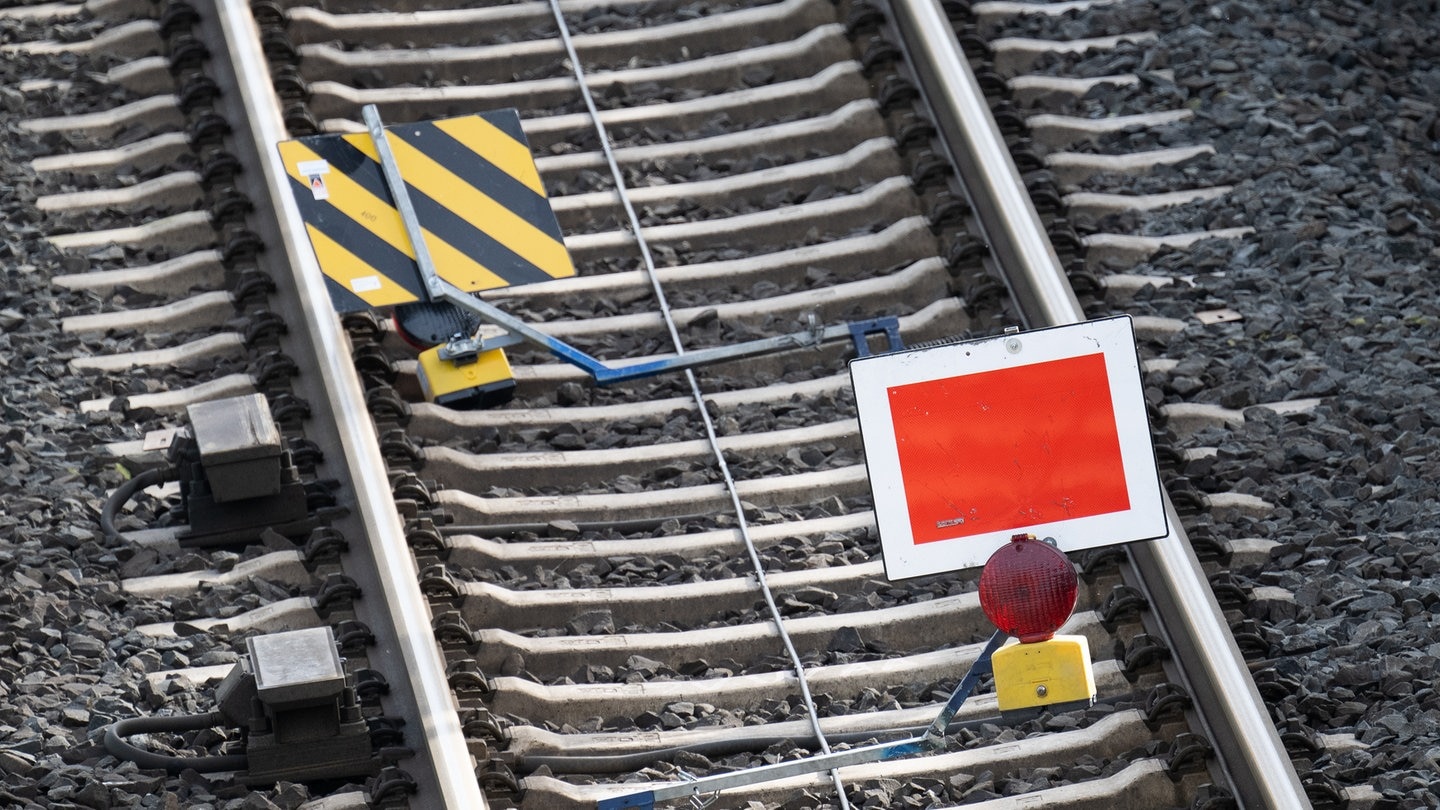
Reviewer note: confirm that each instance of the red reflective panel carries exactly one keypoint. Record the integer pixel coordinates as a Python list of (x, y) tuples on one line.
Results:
[(1028, 588), (1010, 448)]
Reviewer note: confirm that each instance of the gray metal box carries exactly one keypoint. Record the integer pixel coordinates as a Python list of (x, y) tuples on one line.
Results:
[(296, 668), (239, 446)]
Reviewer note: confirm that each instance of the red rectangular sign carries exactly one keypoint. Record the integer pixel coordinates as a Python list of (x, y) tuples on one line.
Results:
[(1010, 448), (1042, 432)]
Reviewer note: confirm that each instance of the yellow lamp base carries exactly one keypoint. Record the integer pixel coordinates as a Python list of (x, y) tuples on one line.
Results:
[(484, 383), (1044, 673)]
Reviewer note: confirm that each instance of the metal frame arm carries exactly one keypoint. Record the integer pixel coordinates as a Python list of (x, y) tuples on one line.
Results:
[(932, 737), (439, 289), (605, 374)]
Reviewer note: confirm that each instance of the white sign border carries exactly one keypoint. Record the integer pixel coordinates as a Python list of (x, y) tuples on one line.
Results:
[(1114, 337)]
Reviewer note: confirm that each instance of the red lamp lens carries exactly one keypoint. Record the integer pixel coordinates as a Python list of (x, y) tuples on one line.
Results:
[(1027, 589)]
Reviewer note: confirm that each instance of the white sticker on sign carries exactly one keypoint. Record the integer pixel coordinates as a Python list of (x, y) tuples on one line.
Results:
[(1042, 432), (364, 284)]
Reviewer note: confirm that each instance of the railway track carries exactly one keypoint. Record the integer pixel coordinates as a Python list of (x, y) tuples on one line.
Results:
[(599, 573)]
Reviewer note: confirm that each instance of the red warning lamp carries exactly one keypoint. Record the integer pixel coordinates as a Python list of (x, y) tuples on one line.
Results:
[(1027, 589)]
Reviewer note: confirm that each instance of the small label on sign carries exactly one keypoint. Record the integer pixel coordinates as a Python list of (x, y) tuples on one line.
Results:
[(314, 172), (364, 284), (317, 187)]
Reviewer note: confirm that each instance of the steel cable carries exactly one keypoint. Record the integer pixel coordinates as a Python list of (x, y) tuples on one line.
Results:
[(712, 437)]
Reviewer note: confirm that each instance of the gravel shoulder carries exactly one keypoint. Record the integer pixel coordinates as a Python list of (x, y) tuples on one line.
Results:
[(1323, 114), (1325, 117)]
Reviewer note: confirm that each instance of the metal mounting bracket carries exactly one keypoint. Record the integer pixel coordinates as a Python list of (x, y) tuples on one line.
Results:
[(930, 739)]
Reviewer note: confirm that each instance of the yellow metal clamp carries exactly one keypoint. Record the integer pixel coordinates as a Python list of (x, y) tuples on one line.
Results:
[(486, 382)]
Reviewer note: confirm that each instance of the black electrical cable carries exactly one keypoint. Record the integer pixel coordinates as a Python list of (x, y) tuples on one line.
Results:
[(122, 495), (117, 745)]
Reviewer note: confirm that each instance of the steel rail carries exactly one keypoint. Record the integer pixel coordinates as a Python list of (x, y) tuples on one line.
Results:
[(1247, 745), (442, 767)]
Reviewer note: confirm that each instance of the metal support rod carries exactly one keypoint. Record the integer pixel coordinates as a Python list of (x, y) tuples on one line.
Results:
[(401, 195), (965, 687), (605, 374), (928, 741), (441, 290)]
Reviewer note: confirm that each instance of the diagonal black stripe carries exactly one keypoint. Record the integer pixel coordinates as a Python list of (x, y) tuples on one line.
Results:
[(507, 120), (357, 239), (474, 169), (479, 245), (345, 158), (434, 217), (342, 300)]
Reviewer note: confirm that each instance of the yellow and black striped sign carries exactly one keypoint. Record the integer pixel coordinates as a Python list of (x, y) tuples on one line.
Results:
[(476, 192)]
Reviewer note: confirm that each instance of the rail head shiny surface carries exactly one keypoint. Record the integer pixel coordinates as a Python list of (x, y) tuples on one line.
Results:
[(1249, 748), (443, 767), (974, 144)]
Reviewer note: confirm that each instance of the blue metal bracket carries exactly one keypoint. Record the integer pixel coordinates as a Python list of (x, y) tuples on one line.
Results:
[(932, 737), (889, 327)]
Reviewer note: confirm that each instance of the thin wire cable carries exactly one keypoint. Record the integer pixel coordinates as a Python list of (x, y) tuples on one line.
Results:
[(714, 439)]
